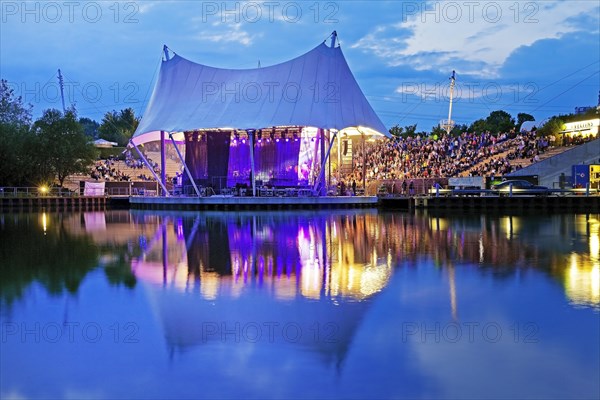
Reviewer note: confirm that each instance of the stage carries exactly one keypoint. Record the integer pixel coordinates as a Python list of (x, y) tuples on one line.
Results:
[(248, 203)]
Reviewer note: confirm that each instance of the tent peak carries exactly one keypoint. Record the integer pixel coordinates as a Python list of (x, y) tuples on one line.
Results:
[(166, 50), (334, 38)]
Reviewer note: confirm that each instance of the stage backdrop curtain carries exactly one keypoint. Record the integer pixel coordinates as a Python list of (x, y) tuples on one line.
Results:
[(195, 158), (217, 158)]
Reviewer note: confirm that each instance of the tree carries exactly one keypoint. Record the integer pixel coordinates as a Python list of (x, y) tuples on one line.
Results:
[(90, 127), (14, 156), (15, 120), (457, 130), (66, 149), (118, 126), (499, 121), (479, 126), (396, 130), (410, 130), (552, 127), (12, 109), (523, 117), (437, 131)]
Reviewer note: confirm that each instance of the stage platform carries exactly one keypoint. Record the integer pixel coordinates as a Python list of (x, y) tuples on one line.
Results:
[(250, 203)]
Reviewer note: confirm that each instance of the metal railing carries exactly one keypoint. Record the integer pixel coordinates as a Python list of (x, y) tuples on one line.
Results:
[(12, 191)]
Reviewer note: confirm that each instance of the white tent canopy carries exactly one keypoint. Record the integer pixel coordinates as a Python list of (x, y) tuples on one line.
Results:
[(316, 89), (528, 126), (104, 143)]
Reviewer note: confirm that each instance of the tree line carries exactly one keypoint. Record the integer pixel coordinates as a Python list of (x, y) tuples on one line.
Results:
[(58, 144), (497, 122)]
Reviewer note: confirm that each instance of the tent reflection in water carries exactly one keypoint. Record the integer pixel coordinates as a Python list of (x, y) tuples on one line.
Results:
[(299, 282), (275, 124)]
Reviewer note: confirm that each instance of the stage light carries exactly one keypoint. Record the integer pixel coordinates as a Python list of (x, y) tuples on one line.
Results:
[(43, 189)]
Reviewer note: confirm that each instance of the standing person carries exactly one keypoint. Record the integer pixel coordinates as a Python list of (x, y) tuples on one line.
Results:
[(403, 187), (353, 187), (411, 188)]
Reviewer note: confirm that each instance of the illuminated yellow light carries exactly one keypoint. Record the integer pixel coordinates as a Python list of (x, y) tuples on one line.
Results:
[(43, 189), (311, 281), (44, 222), (209, 288), (595, 275), (350, 277), (595, 246), (508, 227), (582, 281)]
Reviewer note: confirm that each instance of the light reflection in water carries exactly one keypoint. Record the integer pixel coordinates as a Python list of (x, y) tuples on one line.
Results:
[(301, 256), (367, 278), (351, 256)]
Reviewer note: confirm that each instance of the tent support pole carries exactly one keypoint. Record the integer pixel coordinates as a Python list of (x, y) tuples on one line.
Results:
[(329, 160), (322, 172), (163, 160), (339, 160), (364, 163), (251, 137), (323, 164), (187, 170), (150, 168)]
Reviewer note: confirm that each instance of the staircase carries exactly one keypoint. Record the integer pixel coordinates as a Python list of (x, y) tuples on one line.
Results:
[(525, 162), (346, 167), (173, 166)]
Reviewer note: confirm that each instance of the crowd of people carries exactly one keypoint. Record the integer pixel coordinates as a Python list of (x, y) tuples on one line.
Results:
[(404, 158), (110, 169), (471, 154)]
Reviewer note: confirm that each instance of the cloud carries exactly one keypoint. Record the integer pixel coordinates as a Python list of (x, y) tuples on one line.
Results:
[(471, 37), (232, 34)]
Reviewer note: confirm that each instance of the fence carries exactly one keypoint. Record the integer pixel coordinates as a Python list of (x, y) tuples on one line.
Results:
[(36, 192), (402, 187)]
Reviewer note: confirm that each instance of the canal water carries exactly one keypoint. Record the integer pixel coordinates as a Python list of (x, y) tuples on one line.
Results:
[(319, 304)]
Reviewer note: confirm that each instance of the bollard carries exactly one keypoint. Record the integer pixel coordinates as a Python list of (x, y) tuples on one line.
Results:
[(510, 190), (587, 189)]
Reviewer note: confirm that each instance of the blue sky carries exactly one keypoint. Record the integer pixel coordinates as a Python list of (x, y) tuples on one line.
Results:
[(539, 57)]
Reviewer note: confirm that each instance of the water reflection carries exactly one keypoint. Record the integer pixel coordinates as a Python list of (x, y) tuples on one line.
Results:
[(288, 254), (347, 255), (352, 256), (312, 255), (311, 304)]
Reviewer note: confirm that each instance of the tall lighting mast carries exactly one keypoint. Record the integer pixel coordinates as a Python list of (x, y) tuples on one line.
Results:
[(62, 93), (448, 124)]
